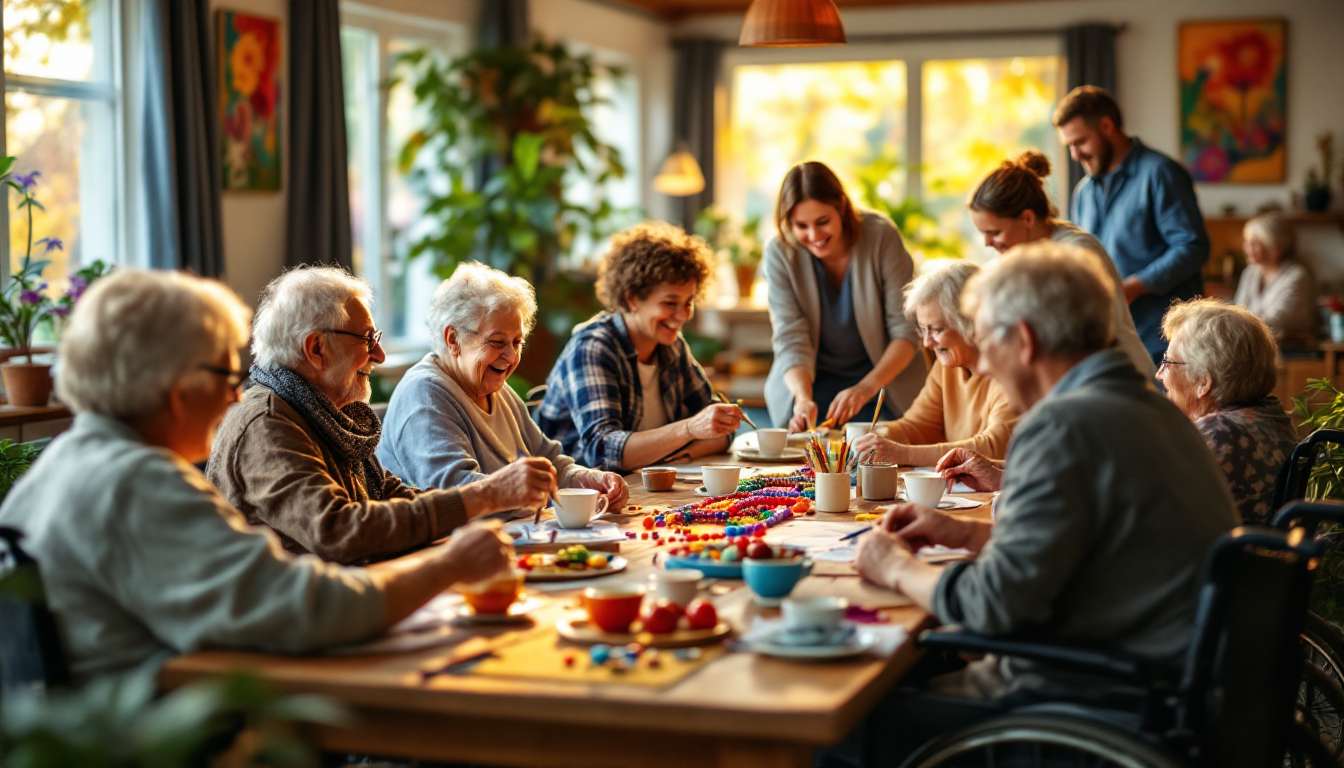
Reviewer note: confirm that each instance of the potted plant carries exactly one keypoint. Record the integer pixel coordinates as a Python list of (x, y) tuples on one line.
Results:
[(740, 248), (1318, 182)]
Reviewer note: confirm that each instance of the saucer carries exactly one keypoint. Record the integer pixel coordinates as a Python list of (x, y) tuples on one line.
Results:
[(861, 641), (788, 456), (816, 637), (516, 613), (703, 491)]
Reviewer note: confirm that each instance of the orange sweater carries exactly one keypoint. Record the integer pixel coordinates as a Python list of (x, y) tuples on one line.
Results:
[(955, 410)]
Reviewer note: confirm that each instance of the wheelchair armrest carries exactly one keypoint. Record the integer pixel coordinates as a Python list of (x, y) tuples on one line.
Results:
[(1123, 668), (1311, 512)]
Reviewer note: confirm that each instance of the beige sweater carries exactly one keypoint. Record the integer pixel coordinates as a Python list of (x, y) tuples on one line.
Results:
[(267, 463), (956, 409)]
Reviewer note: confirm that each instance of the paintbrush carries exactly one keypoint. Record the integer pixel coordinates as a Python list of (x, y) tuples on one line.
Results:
[(724, 399)]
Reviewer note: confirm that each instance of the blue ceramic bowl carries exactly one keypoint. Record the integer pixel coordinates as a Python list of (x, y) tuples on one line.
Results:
[(774, 579)]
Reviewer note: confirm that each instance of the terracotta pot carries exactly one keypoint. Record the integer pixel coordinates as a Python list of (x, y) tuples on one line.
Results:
[(27, 384), (746, 278)]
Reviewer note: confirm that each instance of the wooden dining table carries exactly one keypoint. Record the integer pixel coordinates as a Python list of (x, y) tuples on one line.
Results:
[(740, 709)]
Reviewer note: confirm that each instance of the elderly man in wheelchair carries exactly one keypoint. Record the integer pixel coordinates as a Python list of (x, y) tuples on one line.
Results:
[(1104, 600)]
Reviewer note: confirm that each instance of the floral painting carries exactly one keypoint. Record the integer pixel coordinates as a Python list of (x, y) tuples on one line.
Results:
[(1233, 88), (249, 101)]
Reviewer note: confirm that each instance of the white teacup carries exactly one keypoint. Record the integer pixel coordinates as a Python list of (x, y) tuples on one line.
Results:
[(721, 479), (678, 585), (856, 429), (772, 441), (925, 488), (576, 507), (813, 614)]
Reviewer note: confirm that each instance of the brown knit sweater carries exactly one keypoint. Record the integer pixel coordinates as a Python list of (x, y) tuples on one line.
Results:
[(268, 463)]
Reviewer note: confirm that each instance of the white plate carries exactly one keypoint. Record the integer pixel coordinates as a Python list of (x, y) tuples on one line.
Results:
[(615, 564), (864, 639), (788, 456), (517, 612)]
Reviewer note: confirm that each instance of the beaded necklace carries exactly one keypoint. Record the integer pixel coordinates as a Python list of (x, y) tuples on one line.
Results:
[(760, 502)]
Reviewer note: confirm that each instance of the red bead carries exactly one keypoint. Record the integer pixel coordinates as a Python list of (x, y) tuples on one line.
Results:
[(648, 523)]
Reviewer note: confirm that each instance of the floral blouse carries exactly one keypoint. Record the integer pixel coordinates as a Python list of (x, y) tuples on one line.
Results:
[(1251, 443)]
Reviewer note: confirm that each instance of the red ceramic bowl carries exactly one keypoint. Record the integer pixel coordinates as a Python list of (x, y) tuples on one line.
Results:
[(613, 609)]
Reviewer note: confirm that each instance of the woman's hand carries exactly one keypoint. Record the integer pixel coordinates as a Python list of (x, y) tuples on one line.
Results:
[(920, 526), (849, 402), (478, 551), (714, 421), (610, 484), (971, 468), (880, 557), (804, 415), (523, 484), (883, 450)]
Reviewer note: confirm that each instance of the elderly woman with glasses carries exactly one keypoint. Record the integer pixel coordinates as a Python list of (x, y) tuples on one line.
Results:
[(453, 419), (141, 557), (958, 407), (1219, 369)]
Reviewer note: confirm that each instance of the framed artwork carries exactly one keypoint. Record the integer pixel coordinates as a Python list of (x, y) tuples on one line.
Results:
[(249, 101), (1233, 90)]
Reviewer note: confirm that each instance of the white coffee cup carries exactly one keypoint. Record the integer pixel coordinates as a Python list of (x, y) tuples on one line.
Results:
[(856, 429), (813, 614), (576, 507), (771, 442), (721, 479), (832, 490), (925, 488), (678, 585)]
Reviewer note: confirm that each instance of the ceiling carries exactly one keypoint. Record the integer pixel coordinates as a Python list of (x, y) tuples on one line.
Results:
[(679, 9)]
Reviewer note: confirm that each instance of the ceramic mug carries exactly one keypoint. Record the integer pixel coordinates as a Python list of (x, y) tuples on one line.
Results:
[(775, 578), (878, 480), (721, 479), (771, 442), (493, 595), (658, 478), (832, 490), (614, 607), (925, 488), (679, 585), (814, 614), (856, 429), (576, 507)]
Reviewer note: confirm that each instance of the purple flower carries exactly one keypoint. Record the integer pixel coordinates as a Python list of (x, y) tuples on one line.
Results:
[(27, 180), (52, 244), (60, 311), (30, 297)]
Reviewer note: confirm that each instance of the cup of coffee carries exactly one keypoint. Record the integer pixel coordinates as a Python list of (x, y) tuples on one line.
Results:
[(878, 481), (658, 478), (832, 490), (678, 585), (613, 608), (814, 614), (771, 442), (575, 507), (721, 479), (925, 488), (774, 578), (493, 595), (856, 429)]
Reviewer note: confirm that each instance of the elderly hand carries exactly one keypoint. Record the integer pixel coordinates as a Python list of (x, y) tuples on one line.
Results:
[(971, 468), (884, 449), (479, 551), (921, 527), (610, 484), (849, 402), (714, 421), (804, 415), (523, 484), (880, 558)]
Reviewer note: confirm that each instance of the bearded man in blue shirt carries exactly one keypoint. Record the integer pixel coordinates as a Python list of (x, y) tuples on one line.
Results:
[(1140, 204)]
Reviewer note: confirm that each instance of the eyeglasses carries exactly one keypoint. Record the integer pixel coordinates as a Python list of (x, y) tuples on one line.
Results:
[(1166, 362), (935, 333), (371, 339), (234, 378)]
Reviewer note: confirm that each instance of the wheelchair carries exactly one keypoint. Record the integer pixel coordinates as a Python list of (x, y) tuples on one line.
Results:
[(1230, 705)]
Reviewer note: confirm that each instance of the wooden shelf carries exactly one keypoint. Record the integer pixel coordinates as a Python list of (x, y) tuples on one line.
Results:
[(14, 415)]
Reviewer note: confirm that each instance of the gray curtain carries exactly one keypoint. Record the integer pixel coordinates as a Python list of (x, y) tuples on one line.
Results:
[(180, 138), (318, 212), (1089, 50), (697, 75)]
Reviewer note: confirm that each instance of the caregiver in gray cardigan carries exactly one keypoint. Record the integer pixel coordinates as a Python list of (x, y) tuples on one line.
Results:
[(453, 420), (836, 278)]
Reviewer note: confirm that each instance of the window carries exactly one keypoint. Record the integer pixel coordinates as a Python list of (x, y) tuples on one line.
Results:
[(384, 207), (914, 117), (62, 119)]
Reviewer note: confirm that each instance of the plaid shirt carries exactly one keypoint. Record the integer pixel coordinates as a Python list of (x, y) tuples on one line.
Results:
[(593, 396)]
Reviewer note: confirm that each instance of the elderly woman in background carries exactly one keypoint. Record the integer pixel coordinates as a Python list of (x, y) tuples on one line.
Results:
[(141, 557), (1220, 370), (453, 419), (959, 407), (626, 392), (836, 276), (1278, 288)]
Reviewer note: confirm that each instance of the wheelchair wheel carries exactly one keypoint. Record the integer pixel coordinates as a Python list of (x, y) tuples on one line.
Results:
[(1320, 699), (1041, 741)]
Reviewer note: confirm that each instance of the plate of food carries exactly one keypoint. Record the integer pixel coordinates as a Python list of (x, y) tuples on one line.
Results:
[(568, 564), (579, 629)]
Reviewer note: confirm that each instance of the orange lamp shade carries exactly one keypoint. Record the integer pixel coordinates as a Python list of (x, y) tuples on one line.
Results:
[(791, 24)]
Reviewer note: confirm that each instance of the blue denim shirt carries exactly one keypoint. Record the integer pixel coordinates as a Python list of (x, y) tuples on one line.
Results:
[(593, 396), (1146, 216)]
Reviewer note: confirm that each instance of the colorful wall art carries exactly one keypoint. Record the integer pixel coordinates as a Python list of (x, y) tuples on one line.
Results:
[(1233, 88), (249, 101)]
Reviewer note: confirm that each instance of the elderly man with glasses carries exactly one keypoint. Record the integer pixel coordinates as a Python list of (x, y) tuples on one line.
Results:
[(298, 453)]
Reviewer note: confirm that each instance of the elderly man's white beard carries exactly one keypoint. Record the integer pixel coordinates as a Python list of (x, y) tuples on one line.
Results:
[(337, 379)]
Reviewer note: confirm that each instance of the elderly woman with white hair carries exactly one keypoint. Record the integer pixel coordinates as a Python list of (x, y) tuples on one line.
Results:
[(959, 407), (298, 453), (141, 558), (453, 418), (1220, 368), (1277, 287)]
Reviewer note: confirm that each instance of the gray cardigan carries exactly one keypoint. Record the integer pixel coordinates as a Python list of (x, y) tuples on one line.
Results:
[(142, 558), (433, 436), (1110, 503), (879, 269)]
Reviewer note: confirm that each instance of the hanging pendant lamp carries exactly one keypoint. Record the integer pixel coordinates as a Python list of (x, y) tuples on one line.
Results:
[(680, 174), (791, 24)]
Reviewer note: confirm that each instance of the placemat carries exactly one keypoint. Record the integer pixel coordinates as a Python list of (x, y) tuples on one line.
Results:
[(543, 658)]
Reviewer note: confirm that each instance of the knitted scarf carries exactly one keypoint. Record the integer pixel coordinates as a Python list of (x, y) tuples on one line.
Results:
[(351, 433)]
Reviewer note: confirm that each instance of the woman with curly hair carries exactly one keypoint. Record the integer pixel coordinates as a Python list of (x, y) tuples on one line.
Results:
[(626, 392)]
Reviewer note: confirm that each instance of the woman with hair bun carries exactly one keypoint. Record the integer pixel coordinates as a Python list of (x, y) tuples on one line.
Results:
[(1010, 207)]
